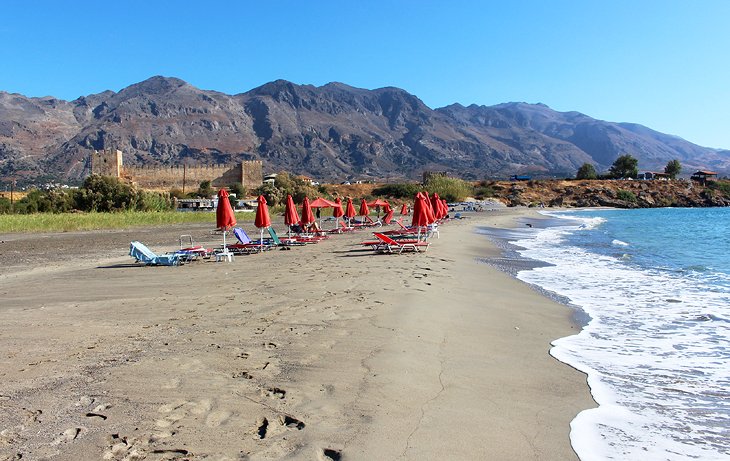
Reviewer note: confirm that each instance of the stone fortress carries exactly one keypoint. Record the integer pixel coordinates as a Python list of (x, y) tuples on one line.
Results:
[(108, 162)]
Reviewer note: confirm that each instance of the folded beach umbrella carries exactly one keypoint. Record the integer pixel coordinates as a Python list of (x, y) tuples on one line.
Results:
[(307, 215), (337, 212), (364, 210), (291, 217), (350, 210), (388, 214), (225, 219), (445, 208), (263, 220), (404, 209), (428, 208), (435, 206), (420, 213)]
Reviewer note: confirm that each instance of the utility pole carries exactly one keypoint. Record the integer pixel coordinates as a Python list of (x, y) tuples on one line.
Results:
[(12, 190), (184, 172)]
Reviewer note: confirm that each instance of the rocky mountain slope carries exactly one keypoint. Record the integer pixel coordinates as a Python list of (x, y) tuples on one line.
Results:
[(333, 132)]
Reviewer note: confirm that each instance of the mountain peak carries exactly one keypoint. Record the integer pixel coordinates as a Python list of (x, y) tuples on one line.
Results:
[(155, 85)]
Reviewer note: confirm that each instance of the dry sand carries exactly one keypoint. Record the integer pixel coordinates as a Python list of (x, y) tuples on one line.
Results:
[(322, 352)]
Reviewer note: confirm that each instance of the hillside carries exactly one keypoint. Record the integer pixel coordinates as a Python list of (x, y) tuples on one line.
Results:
[(333, 132)]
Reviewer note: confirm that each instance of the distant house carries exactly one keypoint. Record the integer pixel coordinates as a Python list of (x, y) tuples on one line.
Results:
[(703, 177), (648, 175)]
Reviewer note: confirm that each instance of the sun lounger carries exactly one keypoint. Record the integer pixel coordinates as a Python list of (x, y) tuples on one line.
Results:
[(142, 254), (285, 242), (189, 251), (389, 245), (245, 245)]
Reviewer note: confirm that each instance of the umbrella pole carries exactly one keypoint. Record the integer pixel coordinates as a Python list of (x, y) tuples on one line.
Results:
[(261, 241), (224, 240)]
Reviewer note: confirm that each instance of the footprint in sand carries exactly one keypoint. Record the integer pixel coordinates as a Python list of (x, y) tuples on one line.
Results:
[(69, 435), (217, 418), (328, 454), (274, 393), (291, 422), (262, 426)]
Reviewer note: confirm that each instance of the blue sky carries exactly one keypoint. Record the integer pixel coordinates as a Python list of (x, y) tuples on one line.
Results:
[(663, 64)]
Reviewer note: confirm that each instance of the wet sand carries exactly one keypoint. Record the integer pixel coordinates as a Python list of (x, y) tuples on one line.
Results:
[(323, 352)]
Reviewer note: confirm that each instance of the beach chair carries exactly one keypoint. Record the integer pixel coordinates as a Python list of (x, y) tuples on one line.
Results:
[(142, 254), (369, 222), (189, 251), (245, 245), (390, 245), (286, 242)]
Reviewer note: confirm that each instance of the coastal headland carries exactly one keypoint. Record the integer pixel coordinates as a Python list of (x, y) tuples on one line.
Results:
[(323, 352)]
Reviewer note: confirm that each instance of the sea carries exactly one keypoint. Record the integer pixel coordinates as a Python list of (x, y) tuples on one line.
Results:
[(653, 287)]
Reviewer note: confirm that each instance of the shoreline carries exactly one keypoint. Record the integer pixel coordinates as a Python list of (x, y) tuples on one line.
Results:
[(321, 352)]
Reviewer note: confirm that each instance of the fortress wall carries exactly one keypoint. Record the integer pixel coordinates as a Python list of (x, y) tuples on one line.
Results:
[(109, 163), (173, 177)]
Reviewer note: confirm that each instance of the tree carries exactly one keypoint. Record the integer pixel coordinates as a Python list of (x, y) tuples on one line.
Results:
[(587, 171), (673, 168), (625, 166), (205, 190)]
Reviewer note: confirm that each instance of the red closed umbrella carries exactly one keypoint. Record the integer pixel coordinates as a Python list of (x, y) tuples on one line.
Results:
[(388, 214), (428, 207), (444, 208), (350, 210), (291, 217), (420, 213), (225, 219), (307, 216), (337, 212), (364, 210), (263, 220), (404, 209)]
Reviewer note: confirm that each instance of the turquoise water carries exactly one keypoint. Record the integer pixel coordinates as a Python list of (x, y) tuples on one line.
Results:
[(656, 284)]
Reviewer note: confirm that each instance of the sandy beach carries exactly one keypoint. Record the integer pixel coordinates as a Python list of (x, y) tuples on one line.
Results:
[(326, 352)]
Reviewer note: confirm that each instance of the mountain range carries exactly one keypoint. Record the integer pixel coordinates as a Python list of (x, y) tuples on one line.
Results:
[(332, 132)]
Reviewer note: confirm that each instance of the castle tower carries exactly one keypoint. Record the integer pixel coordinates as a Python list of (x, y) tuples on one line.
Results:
[(107, 162)]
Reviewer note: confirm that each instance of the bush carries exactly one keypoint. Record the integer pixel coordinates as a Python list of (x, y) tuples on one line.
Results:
[(5, 205), (626, 196), (484, 190), (721, 186), (450, 189)]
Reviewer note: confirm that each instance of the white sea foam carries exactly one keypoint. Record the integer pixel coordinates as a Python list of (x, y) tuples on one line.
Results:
[(619, 243), (655, 353)]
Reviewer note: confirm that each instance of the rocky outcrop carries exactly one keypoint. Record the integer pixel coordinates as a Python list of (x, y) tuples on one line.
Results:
[(608, 193), (332, 132)]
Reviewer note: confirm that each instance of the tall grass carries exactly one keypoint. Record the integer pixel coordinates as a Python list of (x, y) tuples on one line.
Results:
[(67, 222)]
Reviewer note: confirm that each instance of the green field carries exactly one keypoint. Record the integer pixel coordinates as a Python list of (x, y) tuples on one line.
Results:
[(68, 222)]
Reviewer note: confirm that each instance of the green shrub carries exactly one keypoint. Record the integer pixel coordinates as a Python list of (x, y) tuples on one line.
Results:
[(406, 190), (626, 196), (484, 190), (5, 205), (721, 186), (450, 189)]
